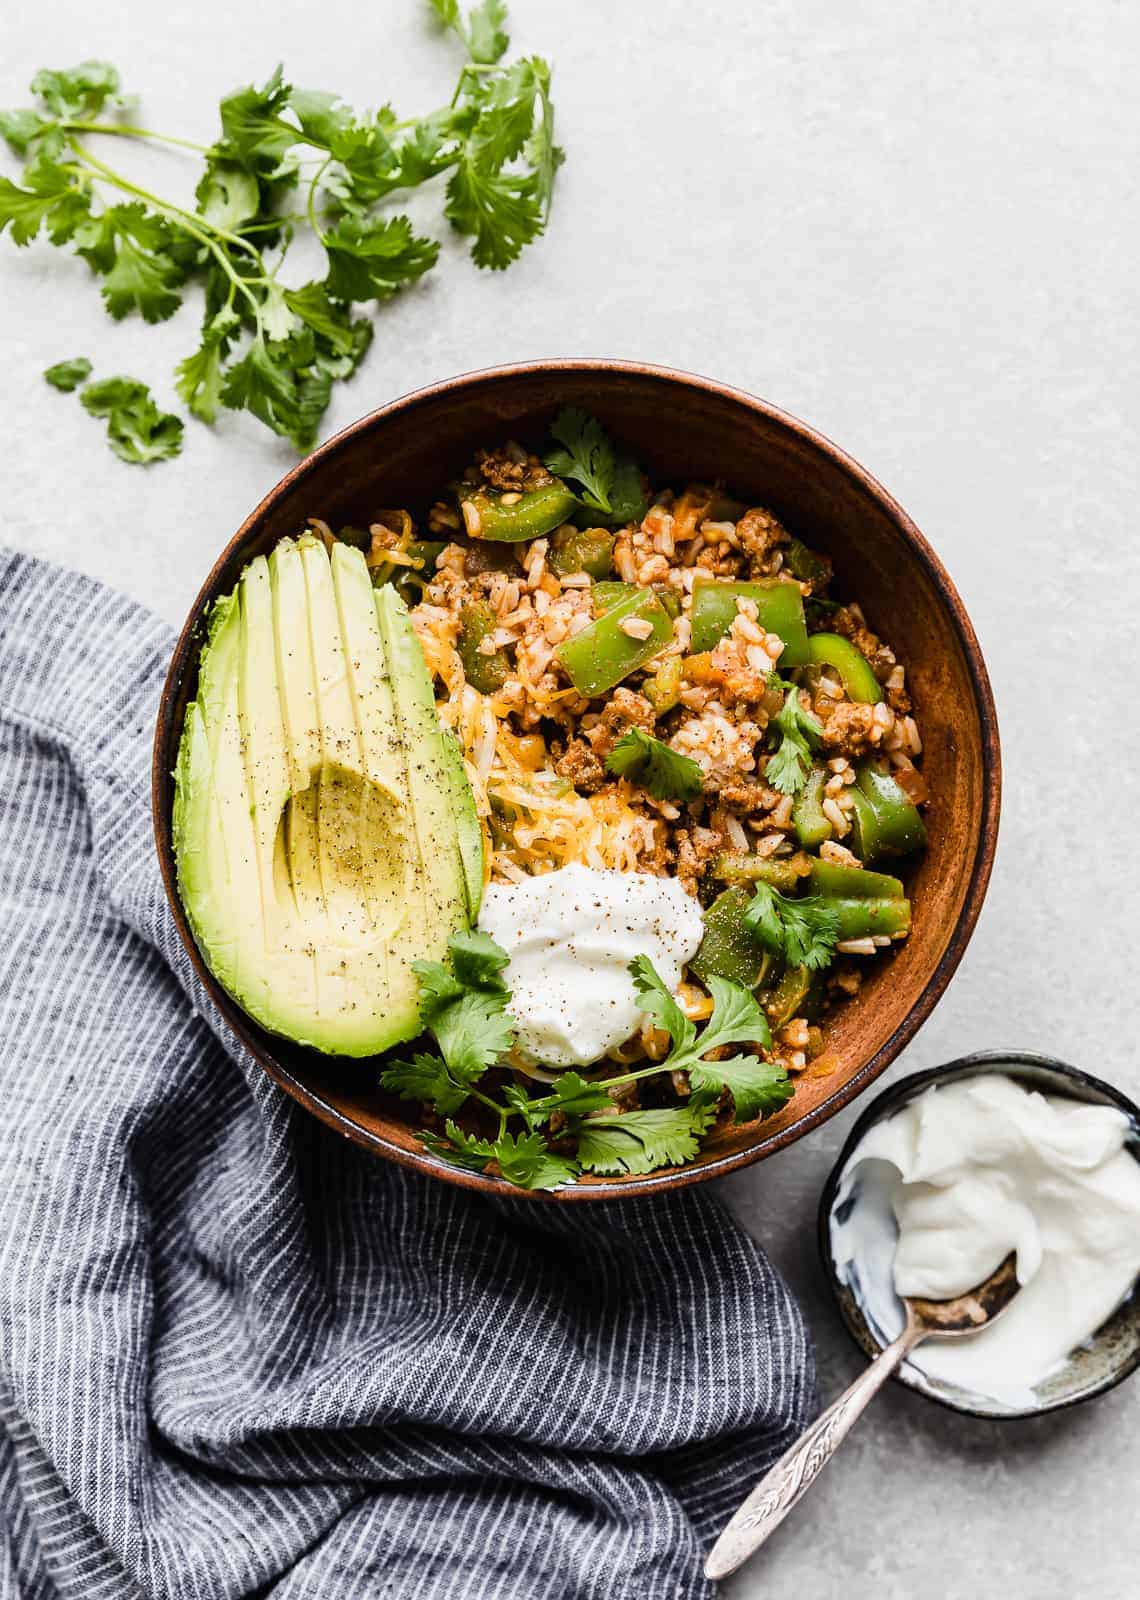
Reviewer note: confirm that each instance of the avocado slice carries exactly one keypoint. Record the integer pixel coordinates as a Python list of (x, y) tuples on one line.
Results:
[(325, 833)]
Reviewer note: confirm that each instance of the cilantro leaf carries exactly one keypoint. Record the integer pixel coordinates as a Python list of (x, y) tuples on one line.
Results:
[(425, 1079), (77, 92), (656, 999), (198, 378), (641, 1141), (24, 130), (466, 1008), (49, 190), (610, 484), (68, 375), (478, 961), (227, 195), (501, 211), (484, 32), (254, 133), (571, 1094), (789, 767), (736, 1019), (526, 1160), (460, 1148), (660, 771), (487, 38), (803, 932), (137, 430), (371, 260)]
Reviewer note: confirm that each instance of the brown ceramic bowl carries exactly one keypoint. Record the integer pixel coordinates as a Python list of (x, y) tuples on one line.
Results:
[(680, 427)]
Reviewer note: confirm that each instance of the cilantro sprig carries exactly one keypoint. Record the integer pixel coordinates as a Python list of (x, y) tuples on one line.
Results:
[(801, 932), (789, 766), (609, 484), (288, 162), (660, 771), (575, 1127)]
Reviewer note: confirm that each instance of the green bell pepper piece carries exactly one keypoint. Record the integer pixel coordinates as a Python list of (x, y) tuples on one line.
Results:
[(779, 605), (859, 918), (663, 689), (602, 655), (797, 993), (729, 948), (745, 869), (808, 817), (581, 550), (885, 820), (837, 882), (605, 595), (483, 672), (489, 515), (833, 650)]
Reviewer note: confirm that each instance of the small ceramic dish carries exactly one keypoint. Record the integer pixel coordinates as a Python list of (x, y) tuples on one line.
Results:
[(1111, 1354)]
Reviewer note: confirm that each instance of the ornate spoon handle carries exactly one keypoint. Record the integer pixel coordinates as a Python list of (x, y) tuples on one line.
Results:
[(791, 1477)]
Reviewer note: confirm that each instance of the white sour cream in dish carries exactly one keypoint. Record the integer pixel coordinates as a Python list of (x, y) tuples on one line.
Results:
[(571, 936), (934, 1197)]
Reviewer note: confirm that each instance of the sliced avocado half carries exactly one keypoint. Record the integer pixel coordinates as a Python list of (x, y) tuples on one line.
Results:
[(325, 832)]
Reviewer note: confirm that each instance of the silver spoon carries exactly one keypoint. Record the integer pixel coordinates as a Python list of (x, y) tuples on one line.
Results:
[(791, 1477)]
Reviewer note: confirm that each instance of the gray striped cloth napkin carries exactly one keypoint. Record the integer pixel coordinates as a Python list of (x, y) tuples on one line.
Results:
[(239, 1357)]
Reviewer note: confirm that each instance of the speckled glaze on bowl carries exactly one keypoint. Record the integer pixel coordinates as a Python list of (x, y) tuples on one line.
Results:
[(679, 427), (1112, 1353)]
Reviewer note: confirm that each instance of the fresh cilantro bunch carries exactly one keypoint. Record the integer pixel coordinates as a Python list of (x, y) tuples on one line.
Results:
[(287, 161), (575, 1127), (789, 766), (803, 933), (660, 771), (609, 485)]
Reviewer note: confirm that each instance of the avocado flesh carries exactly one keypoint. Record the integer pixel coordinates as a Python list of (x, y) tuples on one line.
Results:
[(325, 834)]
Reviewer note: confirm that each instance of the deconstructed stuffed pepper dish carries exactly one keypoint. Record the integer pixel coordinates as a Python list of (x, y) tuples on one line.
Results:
[(588, 789)]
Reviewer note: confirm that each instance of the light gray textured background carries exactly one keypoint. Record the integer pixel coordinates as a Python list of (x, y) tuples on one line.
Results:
[(912, 224)]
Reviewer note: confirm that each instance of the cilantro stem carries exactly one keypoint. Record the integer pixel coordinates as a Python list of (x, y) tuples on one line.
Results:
[(123, 131), (311, 206), (188, 219)]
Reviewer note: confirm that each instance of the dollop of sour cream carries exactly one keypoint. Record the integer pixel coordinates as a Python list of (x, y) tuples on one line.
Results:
[(571, 935), (936, 1196)]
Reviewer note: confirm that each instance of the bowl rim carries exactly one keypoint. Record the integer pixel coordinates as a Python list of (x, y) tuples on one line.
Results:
[(977, 1064), (982, 867)]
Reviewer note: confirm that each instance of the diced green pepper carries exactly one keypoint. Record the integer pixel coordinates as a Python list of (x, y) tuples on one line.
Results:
[(885, 819), (838, 882), (798, 993), (663, 689), (808, 817), (483, 672), (860, 918), (779, 606), (514, 516), (602, 655), (358, 538), (807, 565), (833, 650), (604, 596), (729, 948), (581, 550), (783, 875)]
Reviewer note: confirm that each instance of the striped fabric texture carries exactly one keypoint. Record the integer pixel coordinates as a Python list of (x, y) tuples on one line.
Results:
[(239, 1357)]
